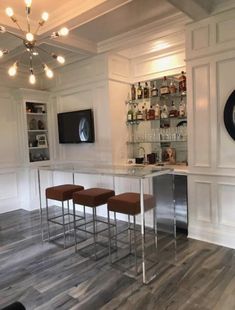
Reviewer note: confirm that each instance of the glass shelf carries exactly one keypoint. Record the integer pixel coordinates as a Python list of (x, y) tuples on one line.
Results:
[(38, 147), (37, 130), (160, 141), (31, 113), (136, 122)]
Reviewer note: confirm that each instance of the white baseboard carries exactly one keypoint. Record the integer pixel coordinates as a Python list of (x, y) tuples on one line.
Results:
[(219, 235)]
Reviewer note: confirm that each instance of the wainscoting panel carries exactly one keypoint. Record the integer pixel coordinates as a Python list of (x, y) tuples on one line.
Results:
[(226, 204), (201, 116), (225, 144), (200, 38)]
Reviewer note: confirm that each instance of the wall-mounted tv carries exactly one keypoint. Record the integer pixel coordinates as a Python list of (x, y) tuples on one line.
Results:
[(76, 127)]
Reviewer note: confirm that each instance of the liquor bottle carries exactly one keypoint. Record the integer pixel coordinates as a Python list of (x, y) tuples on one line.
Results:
[(154, 90), (130, 115), (144, 113), (182, 83), (164, 89), (182, 108), (172, 87), (173, 111), (151, 113), (146, 90), (133, 92), (139, 91), (139, 115), (134, 113), (157, 111)]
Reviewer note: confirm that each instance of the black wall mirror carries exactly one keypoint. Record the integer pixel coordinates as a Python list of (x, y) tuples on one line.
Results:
[(229, 115)]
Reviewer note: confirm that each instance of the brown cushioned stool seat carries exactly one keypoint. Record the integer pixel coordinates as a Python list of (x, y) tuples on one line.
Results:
[(62, 193), (129, 204), (93, 198)]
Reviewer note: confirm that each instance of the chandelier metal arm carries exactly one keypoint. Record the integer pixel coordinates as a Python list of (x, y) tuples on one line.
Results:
[(16, 22), (28, 22)]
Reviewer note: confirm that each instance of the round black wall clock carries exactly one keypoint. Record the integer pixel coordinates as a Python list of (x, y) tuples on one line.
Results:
[(229, 115)]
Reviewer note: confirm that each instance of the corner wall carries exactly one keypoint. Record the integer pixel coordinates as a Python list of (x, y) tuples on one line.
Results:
[(210, 57)]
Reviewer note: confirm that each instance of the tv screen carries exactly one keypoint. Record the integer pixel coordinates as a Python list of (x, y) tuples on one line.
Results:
[(76, 127)]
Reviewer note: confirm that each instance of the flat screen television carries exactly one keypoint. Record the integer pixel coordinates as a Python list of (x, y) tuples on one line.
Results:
[(76, 127)]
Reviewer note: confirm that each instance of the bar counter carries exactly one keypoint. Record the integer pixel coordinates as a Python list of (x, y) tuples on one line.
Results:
[(139, 173)]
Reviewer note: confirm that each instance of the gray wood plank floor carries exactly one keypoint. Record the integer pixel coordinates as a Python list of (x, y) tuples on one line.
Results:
[(46, 276)]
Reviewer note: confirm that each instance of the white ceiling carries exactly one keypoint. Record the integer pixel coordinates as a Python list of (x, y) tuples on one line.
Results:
[(93, 23)]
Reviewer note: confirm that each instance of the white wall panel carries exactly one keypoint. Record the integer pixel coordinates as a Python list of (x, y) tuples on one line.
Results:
[(225, 82), (118, 95), (119, 68), (82, 72), (201, 116), (146, 68), (226, 204), (203, 201), (94, 96), (8, 132), (200, 38), (8, 185), (224, 32)]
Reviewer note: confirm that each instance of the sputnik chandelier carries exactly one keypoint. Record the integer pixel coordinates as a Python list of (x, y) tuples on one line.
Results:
[(31, 45)]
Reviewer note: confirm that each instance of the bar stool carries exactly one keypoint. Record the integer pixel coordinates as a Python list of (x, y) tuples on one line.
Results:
[(128, 204), (62, 193), (93, 198)]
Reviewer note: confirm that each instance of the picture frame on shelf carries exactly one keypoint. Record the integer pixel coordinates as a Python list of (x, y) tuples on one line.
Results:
[(42, 140)]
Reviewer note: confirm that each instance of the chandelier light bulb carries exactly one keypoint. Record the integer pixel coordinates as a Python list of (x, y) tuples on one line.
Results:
[(29, 37), (2, 29), (9, 12), (60, 59), (32, 78), (45, 16), (1, 53), (13, 70), (63, 32), (49, 72), (28, 3)]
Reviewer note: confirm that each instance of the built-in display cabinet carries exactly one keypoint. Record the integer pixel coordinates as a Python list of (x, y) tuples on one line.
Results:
[(37, 131), (157, 121), (33, 119)]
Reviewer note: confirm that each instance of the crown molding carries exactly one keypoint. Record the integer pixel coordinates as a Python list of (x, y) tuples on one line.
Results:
[(153, 31)]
